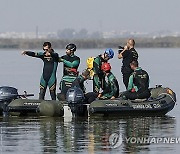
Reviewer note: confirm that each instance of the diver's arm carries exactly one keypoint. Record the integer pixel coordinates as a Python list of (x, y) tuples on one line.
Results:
[(120, 56), (71, 64), (130, 83), (33, 54)]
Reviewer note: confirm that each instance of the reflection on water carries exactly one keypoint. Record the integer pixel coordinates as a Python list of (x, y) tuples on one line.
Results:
[(55, 135), (49, 130)]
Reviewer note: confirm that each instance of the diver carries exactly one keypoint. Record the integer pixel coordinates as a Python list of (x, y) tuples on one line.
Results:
[(138, 87), (48, 78), (98, 78), (111, 86), (70, 69), (128, 54), (79, 82)]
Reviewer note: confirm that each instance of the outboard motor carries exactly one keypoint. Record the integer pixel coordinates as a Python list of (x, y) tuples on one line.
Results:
[(75, 99), (7, 94)]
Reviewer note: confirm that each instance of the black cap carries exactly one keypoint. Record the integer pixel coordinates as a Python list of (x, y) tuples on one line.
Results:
[(71, 47)]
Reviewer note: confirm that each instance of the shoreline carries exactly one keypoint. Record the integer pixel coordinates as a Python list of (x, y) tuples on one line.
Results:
[(165, 42)]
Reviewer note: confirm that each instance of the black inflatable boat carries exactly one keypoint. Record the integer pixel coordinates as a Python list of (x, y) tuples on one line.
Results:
[(13, 104), (162, 100)]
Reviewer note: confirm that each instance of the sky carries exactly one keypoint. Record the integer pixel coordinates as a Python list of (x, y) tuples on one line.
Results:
[(93, 15)]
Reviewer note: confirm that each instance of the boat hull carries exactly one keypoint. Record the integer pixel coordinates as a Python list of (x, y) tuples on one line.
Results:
[(34, 107), (162, 100)]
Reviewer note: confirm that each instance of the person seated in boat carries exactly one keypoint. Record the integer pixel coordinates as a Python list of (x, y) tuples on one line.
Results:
[(79, 82), (111, 86), (48, 78), (98, 77), (138, 86), (70, 69)]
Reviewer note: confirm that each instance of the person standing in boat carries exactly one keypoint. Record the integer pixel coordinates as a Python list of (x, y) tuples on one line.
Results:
[(48, 78), (79, 82), (111, 86), (127, 54), (98, 78), (138, 86), (70, 69)]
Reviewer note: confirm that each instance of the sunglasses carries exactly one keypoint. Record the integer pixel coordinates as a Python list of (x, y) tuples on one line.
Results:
[(45, 49)]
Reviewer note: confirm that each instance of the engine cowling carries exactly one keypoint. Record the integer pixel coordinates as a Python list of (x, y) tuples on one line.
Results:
[(75, 99), (7, 94), (74, 96)]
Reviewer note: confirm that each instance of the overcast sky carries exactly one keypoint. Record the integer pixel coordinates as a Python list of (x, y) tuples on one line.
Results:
[(93, 15)]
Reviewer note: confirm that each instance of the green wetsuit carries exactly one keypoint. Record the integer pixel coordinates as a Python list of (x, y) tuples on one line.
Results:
[(98, 78), (139, 80), (111, 87), (71, 64)]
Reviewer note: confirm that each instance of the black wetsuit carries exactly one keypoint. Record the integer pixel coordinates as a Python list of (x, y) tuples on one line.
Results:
[(48, 77), (128, 57)]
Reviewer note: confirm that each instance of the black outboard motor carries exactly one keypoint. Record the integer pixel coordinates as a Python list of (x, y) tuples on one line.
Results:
[(7, 94), (75, 99)]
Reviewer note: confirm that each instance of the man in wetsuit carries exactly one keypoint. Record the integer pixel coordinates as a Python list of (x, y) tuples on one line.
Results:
[(138, 87), (79, 82), (48, 78), (111, 86), (128, 54), (98, 78), (70, 69)]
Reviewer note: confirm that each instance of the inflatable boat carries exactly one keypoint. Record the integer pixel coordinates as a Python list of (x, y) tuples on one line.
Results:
[(162, 100), (13, 104)]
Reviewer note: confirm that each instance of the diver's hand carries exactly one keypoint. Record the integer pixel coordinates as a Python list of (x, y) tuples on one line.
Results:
[(125, 48), (112, 97), (99, 95), (47, 54), (60, 59)]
